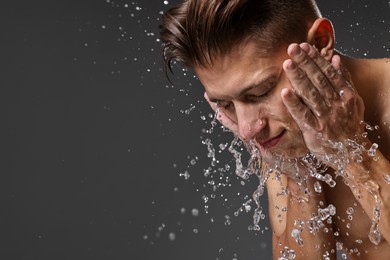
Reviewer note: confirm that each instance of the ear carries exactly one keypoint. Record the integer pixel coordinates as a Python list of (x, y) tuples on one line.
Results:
[(321, 36)]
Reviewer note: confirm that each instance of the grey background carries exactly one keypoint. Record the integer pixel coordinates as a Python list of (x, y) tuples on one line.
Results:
[(94, 138)]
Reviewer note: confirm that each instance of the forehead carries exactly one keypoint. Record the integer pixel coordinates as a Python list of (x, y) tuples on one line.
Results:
[(245, 65)]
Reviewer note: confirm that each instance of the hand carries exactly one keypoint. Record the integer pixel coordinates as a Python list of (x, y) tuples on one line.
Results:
[(322, 102)]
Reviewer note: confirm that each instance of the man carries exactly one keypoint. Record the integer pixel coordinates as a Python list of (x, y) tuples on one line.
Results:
[(270, 69)]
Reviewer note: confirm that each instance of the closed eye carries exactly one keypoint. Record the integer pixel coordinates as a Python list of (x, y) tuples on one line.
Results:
[(225, 104), (258, 97), (266, 94)]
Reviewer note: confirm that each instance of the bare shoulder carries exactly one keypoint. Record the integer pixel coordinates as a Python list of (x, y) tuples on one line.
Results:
[(376, 96), (384, 106)]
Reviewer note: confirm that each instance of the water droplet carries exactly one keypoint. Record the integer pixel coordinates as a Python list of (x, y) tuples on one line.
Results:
[(287, 253), (387, 178), (339, 246), (172, 236), (375, 235), (329, 180), (317, 187), (186, 175), (295, 233), (227, 220), (211, 150), (372, 150), (195, 212)]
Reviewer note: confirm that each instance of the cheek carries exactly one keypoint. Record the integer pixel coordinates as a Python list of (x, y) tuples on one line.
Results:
[(276, 105), (277, 109)]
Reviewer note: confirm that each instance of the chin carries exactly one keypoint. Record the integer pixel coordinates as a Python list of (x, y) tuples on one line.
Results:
[(297, 153)]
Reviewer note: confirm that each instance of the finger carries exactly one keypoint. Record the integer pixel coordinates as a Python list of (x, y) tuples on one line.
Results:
[(346, 91), (305, 89), (332, 73), (342, 70), (300, 113), (313, 71)]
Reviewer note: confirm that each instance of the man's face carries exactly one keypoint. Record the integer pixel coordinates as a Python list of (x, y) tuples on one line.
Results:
[(247, 86)]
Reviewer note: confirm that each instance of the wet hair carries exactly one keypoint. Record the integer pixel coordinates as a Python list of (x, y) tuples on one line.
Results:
[(195, 32)]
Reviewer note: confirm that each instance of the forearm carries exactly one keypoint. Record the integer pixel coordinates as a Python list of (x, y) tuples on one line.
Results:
[(367, 180)]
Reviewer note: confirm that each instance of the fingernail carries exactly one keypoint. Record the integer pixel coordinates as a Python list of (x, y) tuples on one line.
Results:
[(305, 47), (286, 93), (296, 50), (289, 64)]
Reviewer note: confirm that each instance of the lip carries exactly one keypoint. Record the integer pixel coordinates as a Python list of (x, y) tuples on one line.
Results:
[(267, 144)]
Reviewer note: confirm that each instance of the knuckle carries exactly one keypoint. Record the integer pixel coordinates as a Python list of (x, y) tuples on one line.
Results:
[(331, 73), (313, 53), (321, 80), (300, 75), (296, 104), (304, 61)]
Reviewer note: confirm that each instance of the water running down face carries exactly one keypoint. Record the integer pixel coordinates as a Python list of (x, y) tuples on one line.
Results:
[(246, 86)]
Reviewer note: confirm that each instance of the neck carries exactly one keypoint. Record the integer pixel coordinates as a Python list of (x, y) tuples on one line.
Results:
[(371, 79), (368, 75)]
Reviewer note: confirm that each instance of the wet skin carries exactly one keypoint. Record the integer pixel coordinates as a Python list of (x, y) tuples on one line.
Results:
[(247, 91), (268, 98)]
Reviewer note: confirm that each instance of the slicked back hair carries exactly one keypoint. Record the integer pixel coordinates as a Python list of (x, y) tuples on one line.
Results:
[(195, 32)]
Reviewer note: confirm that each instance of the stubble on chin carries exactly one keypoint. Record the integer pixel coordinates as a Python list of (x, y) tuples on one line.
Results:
[(275, 158)]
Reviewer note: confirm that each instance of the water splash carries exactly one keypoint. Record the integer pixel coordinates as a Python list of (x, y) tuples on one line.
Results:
[(287, 253), (372, 150), (341, 154), (296, 234), (387, 178), (214, 121), (240, 171), (316, 223), (245, 207), (375, 235), (254, 167), (211, 151), (317, 187)]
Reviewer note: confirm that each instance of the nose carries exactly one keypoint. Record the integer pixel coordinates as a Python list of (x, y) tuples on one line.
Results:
[(249, 120)]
